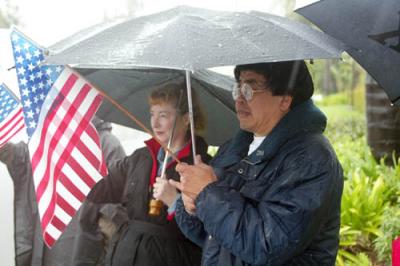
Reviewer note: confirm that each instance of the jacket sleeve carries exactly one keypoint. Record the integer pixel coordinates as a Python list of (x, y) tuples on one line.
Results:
[(284, 221), (16, 158), (189, 224), (111, 147)]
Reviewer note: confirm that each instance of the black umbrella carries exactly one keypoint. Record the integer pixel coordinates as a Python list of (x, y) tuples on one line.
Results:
[(371, 29), (130, 88)]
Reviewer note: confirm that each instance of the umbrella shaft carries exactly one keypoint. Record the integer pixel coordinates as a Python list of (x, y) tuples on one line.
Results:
[(190, 105)]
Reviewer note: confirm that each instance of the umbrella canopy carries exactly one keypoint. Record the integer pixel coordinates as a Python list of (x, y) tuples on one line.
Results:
[(190, 38), (371, 29), (131, 89)]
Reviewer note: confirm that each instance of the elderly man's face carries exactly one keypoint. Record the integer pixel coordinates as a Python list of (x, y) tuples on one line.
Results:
[(260, 114)]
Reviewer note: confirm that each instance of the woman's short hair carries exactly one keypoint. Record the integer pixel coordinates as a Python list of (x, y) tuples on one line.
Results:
[(170, 93)]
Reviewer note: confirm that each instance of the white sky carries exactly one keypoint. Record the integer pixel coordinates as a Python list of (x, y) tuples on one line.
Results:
[(48, 21)]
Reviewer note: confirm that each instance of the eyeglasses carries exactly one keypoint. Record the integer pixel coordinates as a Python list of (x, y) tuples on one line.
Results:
[(245, 90)]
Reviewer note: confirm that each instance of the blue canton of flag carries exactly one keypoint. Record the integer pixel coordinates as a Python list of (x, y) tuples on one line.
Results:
[(8, 102), (11, 121), (34, 80)]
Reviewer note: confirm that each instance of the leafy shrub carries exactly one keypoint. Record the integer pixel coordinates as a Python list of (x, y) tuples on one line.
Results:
[(371, 191), (390, 230)]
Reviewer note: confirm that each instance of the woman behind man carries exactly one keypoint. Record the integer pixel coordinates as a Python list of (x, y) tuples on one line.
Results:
[(147, 239)]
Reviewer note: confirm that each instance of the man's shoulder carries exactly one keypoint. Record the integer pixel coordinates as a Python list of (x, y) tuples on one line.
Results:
[(313, 148)]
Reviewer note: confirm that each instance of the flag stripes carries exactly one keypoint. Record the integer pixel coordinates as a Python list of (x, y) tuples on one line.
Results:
[(64, 146)]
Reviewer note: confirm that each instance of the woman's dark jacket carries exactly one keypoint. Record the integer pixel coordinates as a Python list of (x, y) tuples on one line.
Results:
[(146, 240), (278, 206)]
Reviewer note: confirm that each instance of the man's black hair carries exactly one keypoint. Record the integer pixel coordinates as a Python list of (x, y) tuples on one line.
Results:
[(283, 78)]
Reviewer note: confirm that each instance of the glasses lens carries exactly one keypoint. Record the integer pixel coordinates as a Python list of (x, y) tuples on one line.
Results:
[(236, 91), (247, 91)]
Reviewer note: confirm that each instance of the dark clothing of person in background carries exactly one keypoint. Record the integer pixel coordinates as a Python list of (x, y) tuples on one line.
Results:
[(16, 158)]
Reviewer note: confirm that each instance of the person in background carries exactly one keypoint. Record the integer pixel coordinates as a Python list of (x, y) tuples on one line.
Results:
[(272, 194), (89, 248), (29, 245), (26, 216), (153, 239)]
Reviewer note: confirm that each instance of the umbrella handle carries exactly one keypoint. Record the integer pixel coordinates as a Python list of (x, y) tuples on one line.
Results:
[(155, 207)]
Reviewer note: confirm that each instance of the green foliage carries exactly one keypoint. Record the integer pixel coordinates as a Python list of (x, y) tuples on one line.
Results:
[(363, 203), (370, 201), (390, 230), (345, 74), (335, 99), (354, 99)]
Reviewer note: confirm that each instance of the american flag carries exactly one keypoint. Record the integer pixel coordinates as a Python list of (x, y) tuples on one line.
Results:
[(11, 119), (64, 146)]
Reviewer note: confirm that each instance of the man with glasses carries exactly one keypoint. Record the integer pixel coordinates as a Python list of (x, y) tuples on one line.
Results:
[(272, 193)]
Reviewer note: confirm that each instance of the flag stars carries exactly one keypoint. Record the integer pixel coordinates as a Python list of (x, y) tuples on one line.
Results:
[(29, 114), (31, 67), (23, 81), (27, 103), (28, 56), (26, 45), (20, 60), (37, 53), (39, 74), (32, 124), (21, 71)]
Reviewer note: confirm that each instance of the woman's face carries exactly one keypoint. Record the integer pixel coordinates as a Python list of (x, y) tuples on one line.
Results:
[(162, 121)]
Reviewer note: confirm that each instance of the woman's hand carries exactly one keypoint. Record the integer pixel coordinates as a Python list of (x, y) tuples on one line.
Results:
[(163, 191)]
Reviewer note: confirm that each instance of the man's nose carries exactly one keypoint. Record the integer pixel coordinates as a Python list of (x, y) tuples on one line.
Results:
[(240, 99)]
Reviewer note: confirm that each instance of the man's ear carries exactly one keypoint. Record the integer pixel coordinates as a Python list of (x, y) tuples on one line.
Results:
[(286, 102)]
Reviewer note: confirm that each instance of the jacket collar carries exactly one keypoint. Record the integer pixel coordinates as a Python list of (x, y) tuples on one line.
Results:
[(304, 118), (154, 147)]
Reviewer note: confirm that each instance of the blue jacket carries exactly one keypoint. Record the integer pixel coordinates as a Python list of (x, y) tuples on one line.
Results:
[(278, 206)]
